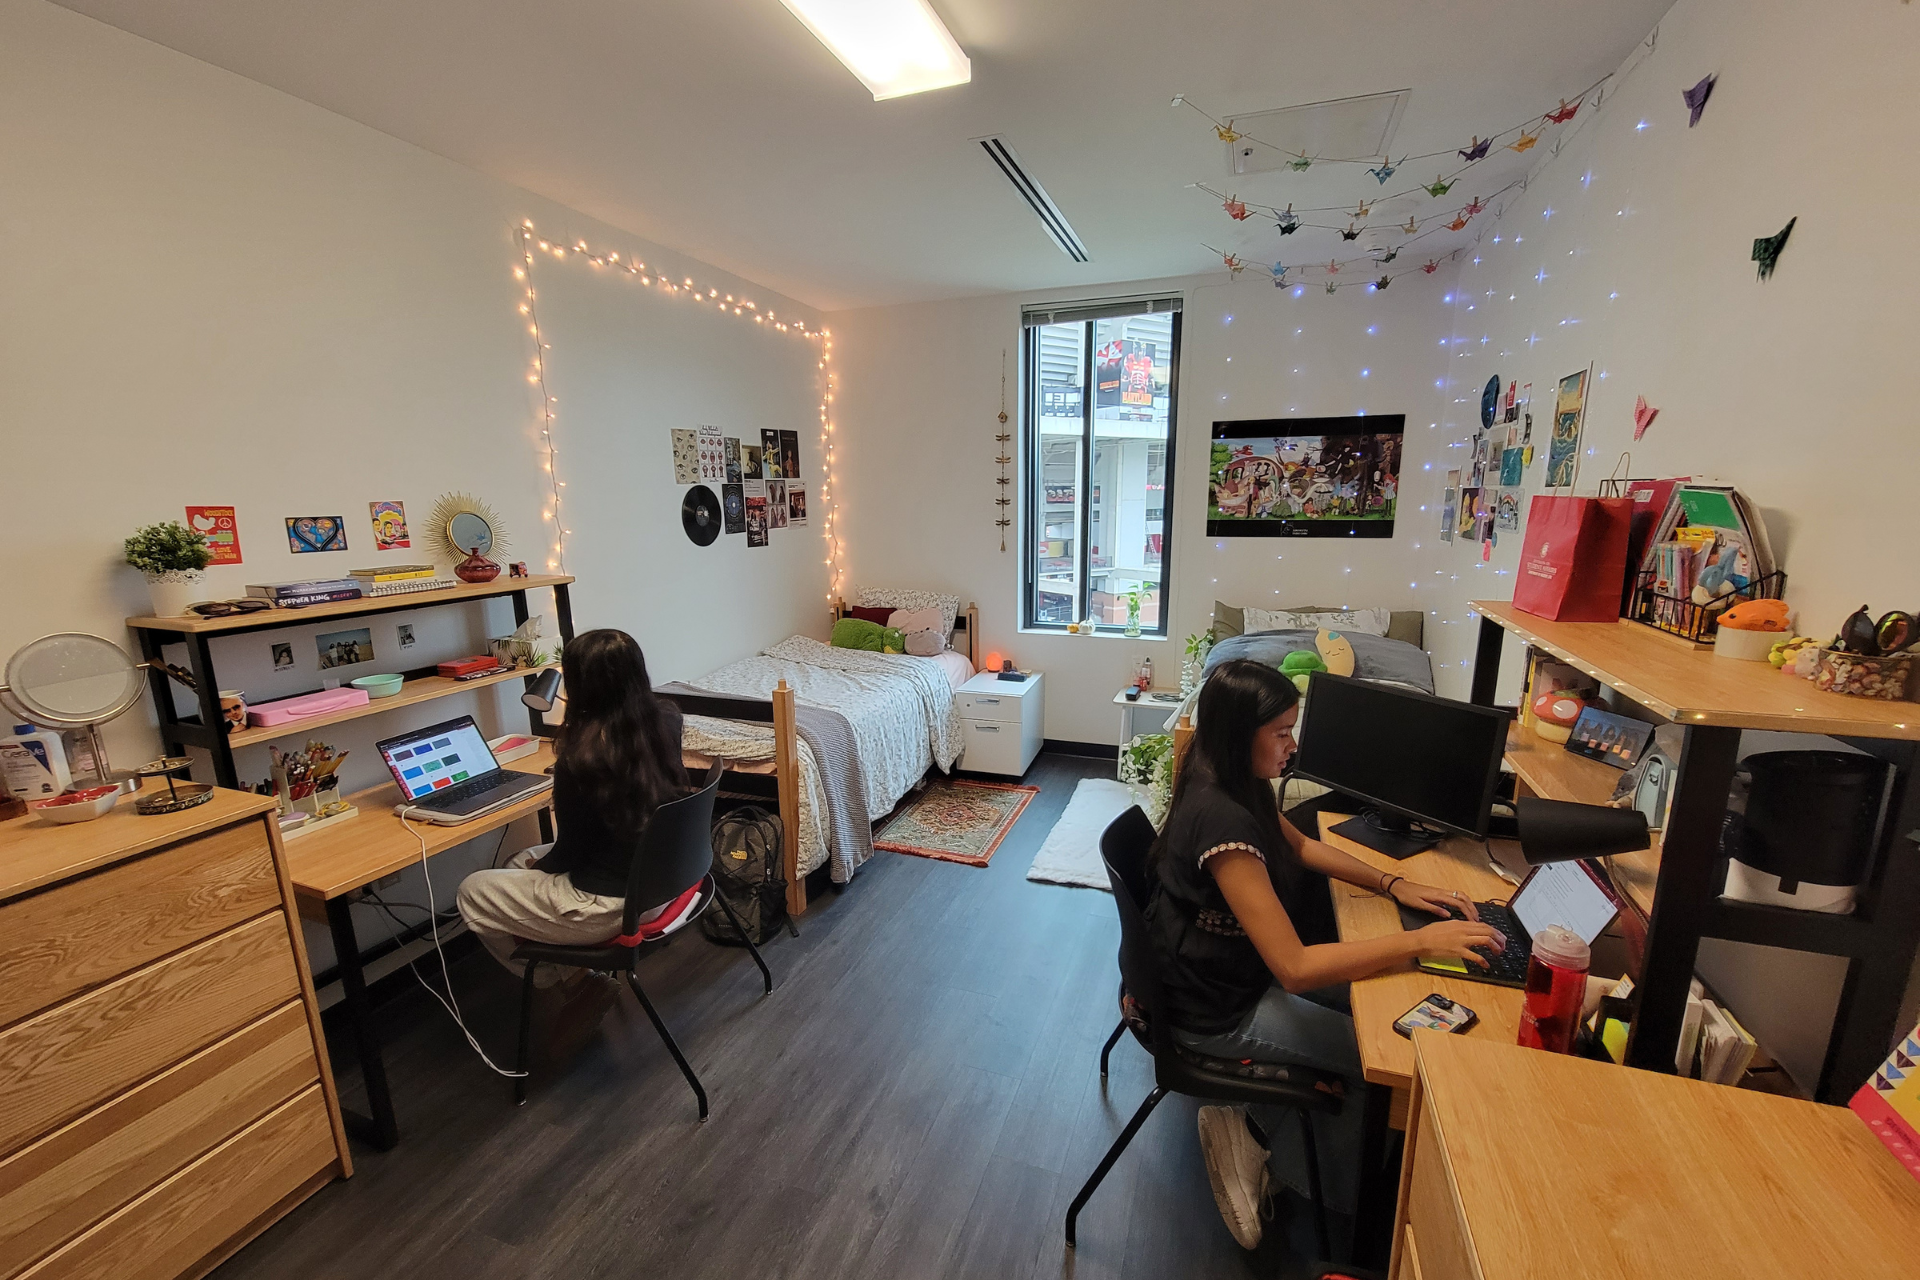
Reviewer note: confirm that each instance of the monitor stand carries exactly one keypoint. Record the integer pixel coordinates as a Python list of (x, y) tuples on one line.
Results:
[(1386, 833)]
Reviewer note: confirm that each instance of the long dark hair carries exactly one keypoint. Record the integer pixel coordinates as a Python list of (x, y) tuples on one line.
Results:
[(617, 744), (1237, 699)]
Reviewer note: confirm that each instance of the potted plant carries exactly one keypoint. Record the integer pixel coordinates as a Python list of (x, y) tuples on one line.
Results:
[(1133, 612), (1199, 645), (174, 558), (1147, 762)]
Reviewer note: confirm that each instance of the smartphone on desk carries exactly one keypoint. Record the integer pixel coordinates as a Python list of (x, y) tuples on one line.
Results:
[(1435, 1013)]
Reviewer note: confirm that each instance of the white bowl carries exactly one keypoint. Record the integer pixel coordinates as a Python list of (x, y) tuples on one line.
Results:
[(1747, 646), (79, 806)]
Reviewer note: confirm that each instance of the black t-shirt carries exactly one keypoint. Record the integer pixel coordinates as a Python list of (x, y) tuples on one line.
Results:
[(586, 846), (1212, 972)]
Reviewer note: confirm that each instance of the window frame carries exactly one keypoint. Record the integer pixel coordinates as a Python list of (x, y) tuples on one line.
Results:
[(1033, 519)]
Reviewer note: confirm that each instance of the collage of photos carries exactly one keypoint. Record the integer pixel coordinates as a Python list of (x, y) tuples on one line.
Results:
[(759, 482)]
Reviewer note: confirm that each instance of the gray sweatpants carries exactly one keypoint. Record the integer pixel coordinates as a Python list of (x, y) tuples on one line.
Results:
[(515, 903)]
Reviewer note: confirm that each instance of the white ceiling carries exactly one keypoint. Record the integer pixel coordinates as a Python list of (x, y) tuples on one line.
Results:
[(723, 129)]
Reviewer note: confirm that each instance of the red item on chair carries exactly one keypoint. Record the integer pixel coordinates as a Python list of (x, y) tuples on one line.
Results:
[(668, 920)]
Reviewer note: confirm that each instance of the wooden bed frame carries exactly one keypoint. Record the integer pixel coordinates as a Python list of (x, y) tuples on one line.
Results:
[(778, 780)]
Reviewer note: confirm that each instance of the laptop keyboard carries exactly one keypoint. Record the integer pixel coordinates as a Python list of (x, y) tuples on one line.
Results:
[(1510, 964), (449, 796)]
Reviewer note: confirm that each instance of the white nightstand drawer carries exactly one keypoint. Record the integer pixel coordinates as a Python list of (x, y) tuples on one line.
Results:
[(979, 705), (993, 746)]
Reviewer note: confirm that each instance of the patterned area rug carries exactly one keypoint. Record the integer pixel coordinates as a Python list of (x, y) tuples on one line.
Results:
[(956, 820)]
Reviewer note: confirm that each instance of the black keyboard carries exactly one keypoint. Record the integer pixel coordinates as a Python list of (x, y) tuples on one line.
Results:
[(1509, 965)]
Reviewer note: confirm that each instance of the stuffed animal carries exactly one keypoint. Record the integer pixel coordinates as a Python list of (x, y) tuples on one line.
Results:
[(1299, 667), (1554, 714), (1717, 580), (1757, 615), (1784, 652), (1335, 651)]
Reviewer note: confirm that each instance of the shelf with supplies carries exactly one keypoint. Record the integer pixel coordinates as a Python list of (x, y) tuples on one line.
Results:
[(178, 732), (1682, 882)]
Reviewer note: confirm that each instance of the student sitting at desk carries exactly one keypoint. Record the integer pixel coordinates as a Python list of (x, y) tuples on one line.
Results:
[(1230, 877), (617, 757)]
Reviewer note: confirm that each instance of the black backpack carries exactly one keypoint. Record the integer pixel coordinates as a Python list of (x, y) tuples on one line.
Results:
[(746, 870)]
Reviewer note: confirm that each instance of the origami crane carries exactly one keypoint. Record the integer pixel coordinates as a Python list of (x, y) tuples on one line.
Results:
[(1431, 267), (1385, 170), (1457, 223), (1478, 151), (1362, 209), (1236, 208), (1389, 256), (1332, 287), (1564, 112), (1524, 142), (1643, 416), (1766, 250), (1412, 228), (1233, 264), (1475, 205), (1279, 276), (1383, 282), (1351, 233), (1333, 268), (1226, 133), (1696, 99), (1439, 187), (1288, 223), (1299, 162)]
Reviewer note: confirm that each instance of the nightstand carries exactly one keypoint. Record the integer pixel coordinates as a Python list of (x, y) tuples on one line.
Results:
[(1133, 722), (1003, 722)]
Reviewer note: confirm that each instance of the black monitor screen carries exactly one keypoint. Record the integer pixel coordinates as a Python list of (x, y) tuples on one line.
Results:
[(1409, 753)]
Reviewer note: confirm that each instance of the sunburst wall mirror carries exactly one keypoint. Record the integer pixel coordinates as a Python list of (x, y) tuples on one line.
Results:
[(462, 525)]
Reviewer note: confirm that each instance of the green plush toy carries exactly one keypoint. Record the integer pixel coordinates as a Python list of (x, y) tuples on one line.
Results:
[(1299, 667), (858, 633)]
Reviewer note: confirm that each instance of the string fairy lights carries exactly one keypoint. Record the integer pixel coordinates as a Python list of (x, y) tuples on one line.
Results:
[(531, 244)]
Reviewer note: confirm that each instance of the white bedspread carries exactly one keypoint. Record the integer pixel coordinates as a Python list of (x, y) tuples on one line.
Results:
[(900, 708)]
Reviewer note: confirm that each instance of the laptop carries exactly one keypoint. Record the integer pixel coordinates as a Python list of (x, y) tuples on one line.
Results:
[(1575, 894), (449, 776)]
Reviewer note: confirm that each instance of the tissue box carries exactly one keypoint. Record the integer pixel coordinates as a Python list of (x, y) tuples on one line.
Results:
[(287, 710)]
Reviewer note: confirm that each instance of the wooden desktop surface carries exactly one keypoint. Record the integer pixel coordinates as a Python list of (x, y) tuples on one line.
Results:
[(1576, 1169), (40, 853), (189, 624), (346, 855), (1386, 1057)]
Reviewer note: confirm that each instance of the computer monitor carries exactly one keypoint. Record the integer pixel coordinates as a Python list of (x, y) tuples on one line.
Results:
[(1412, 757)]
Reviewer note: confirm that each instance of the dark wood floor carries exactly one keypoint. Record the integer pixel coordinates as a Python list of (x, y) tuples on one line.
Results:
[(920, 1096)]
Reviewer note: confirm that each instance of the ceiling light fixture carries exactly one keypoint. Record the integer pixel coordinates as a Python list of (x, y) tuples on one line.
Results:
[(894, 47)]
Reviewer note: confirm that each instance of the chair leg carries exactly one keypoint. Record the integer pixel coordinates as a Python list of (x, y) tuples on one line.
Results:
[(666, 1038), (1113, 1154), (1107, 1048), (526, 1036), (1313, 1185), (765, 973)]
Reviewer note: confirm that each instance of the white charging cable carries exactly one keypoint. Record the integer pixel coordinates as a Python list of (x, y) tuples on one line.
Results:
[(447, 1002)]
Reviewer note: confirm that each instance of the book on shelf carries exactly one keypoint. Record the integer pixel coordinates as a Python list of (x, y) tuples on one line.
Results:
[(1890, 1102), (318, 597), (318, 586), (394, 572)]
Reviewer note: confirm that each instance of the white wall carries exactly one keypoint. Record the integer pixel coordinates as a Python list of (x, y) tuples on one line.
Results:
[(218, 294)]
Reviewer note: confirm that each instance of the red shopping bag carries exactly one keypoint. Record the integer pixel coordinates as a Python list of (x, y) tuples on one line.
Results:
[(1573, 562)]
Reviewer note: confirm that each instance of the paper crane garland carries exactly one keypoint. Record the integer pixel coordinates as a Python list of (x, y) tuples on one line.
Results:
[(1279, 276), (1300, 162), (1226, 133), (1385, 170), (1288, 223), (1458, 223), (1524, 142), (1236, 208), (1233, 264), (1431, 267), (1387, 257), (1332, 287), (1350, 233), (1362, 209), (1477, 151), (1412, 228), (1643, 416), (1766, 250), (1383, 282), (1439, 187), (1564, 113), (1333, 268), (1696, 99), (1474, 206)]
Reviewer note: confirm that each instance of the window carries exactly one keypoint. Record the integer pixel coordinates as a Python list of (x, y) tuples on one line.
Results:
[(1098, 503)]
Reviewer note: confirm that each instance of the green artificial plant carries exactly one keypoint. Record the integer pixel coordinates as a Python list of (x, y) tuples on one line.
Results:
[(169, 547)]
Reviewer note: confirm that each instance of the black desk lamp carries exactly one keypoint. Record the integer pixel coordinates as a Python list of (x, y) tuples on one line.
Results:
[(546, 692), (1560, 831)]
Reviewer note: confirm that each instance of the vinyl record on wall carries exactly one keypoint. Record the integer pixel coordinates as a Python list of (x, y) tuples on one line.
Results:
[(700, 515), (1490, 401)]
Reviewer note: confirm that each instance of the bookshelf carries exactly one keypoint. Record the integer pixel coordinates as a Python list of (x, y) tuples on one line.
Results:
[(421, 686), (1678, 882)]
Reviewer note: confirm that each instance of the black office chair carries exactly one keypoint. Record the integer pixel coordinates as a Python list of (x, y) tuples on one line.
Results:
[(676, 853), (1177, 1069)]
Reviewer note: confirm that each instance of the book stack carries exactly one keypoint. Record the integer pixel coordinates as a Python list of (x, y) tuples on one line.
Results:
[(400, 579), (290, 595)]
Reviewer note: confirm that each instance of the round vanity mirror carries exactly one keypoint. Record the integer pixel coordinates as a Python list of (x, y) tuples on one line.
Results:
[(72, 680), (470, 532)]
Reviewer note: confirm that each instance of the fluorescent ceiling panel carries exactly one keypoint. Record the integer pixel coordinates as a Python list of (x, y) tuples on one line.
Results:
[(894, 47)]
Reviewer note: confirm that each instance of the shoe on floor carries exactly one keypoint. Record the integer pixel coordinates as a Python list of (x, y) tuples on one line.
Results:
[(1237, 1169)]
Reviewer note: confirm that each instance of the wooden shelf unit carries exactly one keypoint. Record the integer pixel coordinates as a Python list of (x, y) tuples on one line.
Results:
[(1678, 881), (205, 731)]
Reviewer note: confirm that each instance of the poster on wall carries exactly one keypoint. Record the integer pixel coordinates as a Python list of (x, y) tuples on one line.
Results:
[(732, 446), (389, 525), (1449, 506), (316, 533), (1469, 513), (750, 464), (776, 504), (796, 503), (770, 460), (755, 493), (1506, 515), (1123, 378), (1305, 477), (222, 532), (713, 455), (686, 456), (1569, 411), (733, 508), (790, 454)]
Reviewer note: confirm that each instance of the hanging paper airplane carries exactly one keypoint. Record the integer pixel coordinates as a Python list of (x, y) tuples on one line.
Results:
[(1696, 99), (1643, 416), (1766, 250)]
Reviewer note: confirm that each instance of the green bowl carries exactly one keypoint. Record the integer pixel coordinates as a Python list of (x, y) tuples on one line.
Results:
[(380, 686)]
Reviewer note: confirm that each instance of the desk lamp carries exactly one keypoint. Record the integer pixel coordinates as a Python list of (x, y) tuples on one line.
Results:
[(546, 691), (1560, 831)]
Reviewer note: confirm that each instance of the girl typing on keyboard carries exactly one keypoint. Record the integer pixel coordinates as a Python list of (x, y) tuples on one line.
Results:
[(1230, 876)]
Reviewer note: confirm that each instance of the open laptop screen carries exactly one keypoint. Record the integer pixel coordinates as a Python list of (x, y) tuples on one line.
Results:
[(1564, 893), (440, 757)]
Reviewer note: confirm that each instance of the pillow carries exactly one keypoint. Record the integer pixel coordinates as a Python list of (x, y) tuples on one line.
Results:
[(948, 606), (1227, 621), (925, 644), (877, 616), (910, 620), (858, 633), (1372, 622)]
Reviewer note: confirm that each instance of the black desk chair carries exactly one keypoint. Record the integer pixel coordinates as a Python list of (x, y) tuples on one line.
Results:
[(1177, 1069), (676, 853)]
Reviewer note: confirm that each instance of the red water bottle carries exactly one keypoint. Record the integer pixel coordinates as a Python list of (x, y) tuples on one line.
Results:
[(1556, 987)]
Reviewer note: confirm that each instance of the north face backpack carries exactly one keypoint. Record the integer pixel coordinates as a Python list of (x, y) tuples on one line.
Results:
[(746, 870)]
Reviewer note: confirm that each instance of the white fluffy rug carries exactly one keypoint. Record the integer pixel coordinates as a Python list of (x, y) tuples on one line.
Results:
[(1071, 853)]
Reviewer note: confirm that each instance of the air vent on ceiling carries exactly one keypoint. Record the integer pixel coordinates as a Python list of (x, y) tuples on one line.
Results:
[(1340, 129), (1036, 197)]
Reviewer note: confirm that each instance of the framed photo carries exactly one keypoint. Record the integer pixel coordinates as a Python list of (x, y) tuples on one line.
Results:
[(1608, 738)]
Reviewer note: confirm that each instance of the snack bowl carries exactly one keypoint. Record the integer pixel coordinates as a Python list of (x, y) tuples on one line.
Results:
[(380, 686), (79, 806)]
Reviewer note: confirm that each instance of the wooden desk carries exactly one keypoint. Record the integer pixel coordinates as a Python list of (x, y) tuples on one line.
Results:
[(1386, 1057), (1522, 1164), (344, 856)]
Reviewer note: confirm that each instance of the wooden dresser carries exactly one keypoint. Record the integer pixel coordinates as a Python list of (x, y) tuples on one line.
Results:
[(1522, 1164), (164, 1091)]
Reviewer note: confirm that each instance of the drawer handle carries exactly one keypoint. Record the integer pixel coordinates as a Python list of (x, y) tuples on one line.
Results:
[(985, 728), (988, 702)]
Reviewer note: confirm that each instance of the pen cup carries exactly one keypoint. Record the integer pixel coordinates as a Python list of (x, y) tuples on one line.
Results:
[(1556, 986)]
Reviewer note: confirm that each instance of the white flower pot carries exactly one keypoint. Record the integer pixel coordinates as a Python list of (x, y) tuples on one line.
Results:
[(173, 591)]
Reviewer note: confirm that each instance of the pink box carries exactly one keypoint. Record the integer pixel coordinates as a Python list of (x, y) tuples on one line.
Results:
[(304, 707)]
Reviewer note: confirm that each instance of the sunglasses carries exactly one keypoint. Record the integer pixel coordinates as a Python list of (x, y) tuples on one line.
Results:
[(228, 608)]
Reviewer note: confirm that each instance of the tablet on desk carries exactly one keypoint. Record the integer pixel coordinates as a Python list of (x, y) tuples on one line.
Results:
[(1573, 894)]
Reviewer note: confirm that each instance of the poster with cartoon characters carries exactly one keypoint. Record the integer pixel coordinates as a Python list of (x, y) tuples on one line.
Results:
[(1305, 477)]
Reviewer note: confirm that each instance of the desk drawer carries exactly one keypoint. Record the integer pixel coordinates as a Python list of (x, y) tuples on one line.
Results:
[(63, 1184), (990, 706), (1433, 1213), (192, 1216), (76, 1055), (91, 930)]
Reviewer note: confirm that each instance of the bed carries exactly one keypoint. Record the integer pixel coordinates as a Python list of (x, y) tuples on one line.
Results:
[(832, 738)]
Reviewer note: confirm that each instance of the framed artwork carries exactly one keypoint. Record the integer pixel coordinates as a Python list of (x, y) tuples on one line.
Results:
[(1305, 477), (316, 533)]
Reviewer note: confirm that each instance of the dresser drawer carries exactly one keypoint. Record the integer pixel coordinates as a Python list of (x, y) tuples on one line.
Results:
[(53, 1190), (73, 1056), (77, 935), (990, 706), (192, 1216), (1433, 1211)]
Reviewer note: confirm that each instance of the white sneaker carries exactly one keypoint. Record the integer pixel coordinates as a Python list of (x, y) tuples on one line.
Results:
[(1237, 1168)]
